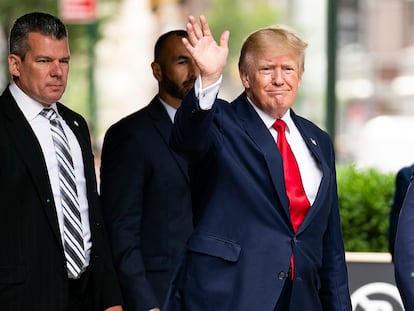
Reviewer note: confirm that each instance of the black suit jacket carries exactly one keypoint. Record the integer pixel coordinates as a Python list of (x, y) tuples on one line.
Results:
[(33, 272), (147, 206)]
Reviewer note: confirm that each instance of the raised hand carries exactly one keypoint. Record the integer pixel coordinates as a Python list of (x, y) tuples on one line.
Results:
[(210, 57)]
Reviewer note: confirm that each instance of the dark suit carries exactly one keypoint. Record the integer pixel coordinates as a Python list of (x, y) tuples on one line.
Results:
[(402, 180), (33, 272), (404, 250), (147, 204), (238, 256)]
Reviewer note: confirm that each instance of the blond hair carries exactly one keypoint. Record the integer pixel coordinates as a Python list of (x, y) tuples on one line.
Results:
[(280, 38)]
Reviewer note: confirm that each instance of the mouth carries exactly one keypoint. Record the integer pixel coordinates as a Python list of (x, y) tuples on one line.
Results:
[(277, 92), (55, 86), (189, 84)]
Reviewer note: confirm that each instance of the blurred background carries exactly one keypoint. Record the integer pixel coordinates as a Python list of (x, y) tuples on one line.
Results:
[(358, 85), (358, 82)]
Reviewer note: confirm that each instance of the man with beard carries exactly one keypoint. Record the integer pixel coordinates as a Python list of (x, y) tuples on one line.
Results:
[(144, 184)]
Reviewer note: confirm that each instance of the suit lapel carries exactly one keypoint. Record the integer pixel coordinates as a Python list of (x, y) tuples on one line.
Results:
[(28, 147), (257, 130), (315, 148), (163, 124), (75, 124)]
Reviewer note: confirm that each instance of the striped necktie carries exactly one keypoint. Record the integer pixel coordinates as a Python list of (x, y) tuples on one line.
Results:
[(72, 232)]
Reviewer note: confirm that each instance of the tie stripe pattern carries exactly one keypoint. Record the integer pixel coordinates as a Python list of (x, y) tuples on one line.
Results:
[(72, 232)]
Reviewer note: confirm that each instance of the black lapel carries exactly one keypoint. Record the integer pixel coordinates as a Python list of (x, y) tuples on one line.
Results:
[(79, 128), (28, 147), (163, 124)]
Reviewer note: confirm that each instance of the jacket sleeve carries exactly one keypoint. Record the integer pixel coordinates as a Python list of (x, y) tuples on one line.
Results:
[(404, 250), (189, 134), (122, 187), (334, 292)]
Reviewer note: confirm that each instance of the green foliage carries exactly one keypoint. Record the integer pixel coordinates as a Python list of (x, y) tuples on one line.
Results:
[(364, 199), (82, 38), (240, 18), (10, 10)]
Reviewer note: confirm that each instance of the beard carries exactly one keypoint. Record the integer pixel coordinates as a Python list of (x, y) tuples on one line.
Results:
[(177, 90)]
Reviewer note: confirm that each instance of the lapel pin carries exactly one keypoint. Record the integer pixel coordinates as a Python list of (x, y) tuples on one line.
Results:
[(76, 123), (313, 141)]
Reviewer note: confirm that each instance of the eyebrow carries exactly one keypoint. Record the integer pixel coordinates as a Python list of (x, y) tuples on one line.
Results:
[(49, 57), (183, 57)]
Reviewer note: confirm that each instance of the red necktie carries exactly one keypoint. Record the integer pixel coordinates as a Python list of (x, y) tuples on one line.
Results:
[(298, 201)]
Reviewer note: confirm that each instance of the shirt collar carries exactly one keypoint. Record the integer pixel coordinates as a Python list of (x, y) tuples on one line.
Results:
[(170, 110), (27, 105), (268, 120)]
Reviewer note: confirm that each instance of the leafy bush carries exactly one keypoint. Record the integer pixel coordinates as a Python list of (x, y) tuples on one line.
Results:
[(364, 198)]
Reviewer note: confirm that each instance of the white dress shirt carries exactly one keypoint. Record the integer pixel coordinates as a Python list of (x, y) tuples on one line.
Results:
[(309, 169), (170, 109), (41, 127)]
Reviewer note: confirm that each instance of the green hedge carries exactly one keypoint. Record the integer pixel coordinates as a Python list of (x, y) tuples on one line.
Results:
[(364, 199)]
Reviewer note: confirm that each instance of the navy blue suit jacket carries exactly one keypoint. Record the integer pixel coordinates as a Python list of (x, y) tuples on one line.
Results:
[(147, 204), (239, 254), (402, 180), (404, 250)]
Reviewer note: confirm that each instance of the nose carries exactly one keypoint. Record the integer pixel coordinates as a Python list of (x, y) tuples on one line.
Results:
[(56, 69), (277, 77)]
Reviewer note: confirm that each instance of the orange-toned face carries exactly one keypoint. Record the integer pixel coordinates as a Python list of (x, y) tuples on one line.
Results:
[(43, 72), (272, 80)]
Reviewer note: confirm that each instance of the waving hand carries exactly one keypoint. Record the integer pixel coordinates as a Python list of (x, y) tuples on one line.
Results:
[(210, 57)]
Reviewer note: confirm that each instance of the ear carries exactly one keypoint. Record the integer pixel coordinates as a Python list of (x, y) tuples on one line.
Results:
[(14, 65), (244, 79), (156, 71)]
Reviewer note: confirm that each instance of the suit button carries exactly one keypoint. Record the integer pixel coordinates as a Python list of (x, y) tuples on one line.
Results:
[(281, 275)]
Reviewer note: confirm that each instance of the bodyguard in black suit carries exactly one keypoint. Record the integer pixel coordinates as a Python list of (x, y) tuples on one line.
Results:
[(144, 184), (34, 273)]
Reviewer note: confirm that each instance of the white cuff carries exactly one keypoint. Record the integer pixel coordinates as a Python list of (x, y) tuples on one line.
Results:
[(207, 96)]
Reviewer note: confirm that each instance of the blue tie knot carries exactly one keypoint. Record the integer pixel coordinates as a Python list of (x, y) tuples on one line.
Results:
[(49, 114)]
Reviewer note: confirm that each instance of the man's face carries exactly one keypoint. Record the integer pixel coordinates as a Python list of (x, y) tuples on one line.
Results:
[(43, 73), (272, 80), (178, 71)]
